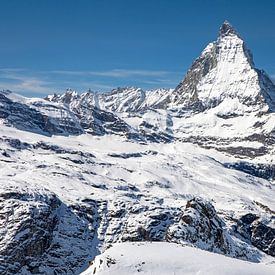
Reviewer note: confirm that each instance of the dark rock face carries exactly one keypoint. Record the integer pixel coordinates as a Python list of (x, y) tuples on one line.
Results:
[(152, 228), (44, 232), (186, 92), (16, 143), (126, 155), (260, 235), (99, 122), (42, 235), (27, 118), (132, 155), (64, 121), (263, 237), (29, 234), (226, 29), (266, 86), (223, 145), (244, 225), (74, 240), (152, 134), (91, 118), (199, 223), (265, 171)]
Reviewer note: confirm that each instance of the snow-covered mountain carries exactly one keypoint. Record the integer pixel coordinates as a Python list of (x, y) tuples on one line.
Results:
[(128, 99), (225, 71), (223, 102), (192, 166)]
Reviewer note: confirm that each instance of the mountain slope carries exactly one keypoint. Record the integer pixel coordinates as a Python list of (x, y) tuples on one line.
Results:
[(67, 117), (151, 258), (102, 190)]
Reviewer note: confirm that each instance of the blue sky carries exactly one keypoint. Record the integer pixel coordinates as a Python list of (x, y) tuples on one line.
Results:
[(48, 46)]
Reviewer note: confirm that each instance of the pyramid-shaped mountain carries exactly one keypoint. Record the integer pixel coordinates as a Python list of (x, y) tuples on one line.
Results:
[(225, 70)]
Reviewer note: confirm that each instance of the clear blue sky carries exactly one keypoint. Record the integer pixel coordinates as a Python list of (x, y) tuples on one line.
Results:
[(48, 46)]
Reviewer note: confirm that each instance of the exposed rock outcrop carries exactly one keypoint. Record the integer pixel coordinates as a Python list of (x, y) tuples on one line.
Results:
[(259, 234)]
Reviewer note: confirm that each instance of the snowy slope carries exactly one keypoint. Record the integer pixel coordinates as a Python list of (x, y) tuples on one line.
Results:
[(109, 189), (167, 258)]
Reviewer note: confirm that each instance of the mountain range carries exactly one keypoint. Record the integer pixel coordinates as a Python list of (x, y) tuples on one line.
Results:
[(189, 166)]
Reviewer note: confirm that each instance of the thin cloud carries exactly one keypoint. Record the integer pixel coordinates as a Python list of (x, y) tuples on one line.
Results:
[(39, 83), (163, 83), (116, 73), (18, 81), (85, 85), (9, 70), (15, 80), (27, 86)]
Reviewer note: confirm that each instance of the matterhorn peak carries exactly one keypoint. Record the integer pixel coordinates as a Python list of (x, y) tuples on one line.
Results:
[(225, 71), (227, 29)]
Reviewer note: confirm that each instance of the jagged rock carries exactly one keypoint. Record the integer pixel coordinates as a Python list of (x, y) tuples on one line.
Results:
[(128, 99), (227, 29), (200, 224), (27, 223), (26, 117), (263, 237), (38, 231), (149, 225), (259, 234)]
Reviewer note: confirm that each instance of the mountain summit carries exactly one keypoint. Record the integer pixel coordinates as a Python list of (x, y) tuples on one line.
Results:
[(227, 29), (225, 71)]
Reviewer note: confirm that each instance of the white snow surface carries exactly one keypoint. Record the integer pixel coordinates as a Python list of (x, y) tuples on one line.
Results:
[(168, 258), (227, 79), (185, 168)]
